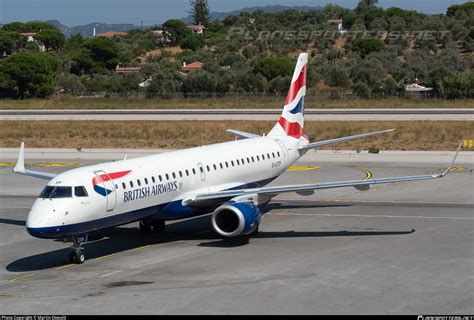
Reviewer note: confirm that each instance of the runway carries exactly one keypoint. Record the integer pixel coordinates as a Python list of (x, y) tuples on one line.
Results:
[(465, 114), (395, 249)]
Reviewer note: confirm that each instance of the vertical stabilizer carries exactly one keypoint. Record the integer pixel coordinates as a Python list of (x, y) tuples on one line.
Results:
[(291, 122)]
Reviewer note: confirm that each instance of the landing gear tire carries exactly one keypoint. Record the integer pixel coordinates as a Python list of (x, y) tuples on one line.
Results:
[(254, 233), (77, 257), (158, 226), (145, 226)]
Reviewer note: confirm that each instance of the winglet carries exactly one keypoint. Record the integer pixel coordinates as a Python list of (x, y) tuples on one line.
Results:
[(452, 162), (20, 164)]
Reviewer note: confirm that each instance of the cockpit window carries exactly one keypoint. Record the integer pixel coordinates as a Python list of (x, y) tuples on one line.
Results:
[(56, 192), (80, 191)]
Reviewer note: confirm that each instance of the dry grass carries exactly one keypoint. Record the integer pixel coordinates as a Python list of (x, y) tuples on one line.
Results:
[(410, 135), (227, 102)]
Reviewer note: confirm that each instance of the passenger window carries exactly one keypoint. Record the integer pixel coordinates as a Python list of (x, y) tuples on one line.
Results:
[(80, 191), (194, 171), (187, 172), (214, 165), (174, 175), (222, 167), (258, 158), (131, 184), (248, 160), (146, 181), (124, 186), (238, 162), (273, 154), (167, 176), (201, 169), (242, 161), (180, 174), (153, 179), (226, 164), (159, 177), (253, 160), (207, 167), (138, 182), (278, 153), (268, 156), (232, 162)]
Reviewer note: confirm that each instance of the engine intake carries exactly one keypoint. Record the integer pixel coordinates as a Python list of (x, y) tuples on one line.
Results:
[(236, 218)]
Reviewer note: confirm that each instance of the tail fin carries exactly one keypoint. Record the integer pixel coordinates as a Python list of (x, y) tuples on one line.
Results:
[(291, 121)]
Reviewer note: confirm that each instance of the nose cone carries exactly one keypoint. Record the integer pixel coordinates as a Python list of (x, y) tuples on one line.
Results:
[(40, 220)]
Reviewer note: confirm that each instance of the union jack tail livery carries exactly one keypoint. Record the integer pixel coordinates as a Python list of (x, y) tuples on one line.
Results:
[(291, 122)]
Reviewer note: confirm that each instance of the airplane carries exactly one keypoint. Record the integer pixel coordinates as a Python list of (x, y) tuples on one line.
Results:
[(226, 179)]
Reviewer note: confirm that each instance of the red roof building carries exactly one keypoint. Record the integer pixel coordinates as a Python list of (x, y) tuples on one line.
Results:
[(192, 66), (126, 70), (112, 34)]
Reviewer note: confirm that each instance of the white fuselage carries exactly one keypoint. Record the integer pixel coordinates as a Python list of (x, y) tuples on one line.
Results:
[(129, 190)]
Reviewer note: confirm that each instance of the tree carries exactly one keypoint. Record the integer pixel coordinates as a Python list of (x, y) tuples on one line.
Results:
[(166, 83), (199, 11), (193, 42), (52, 39), (365, 5), (366, 46), (9, 41), (361, 89), (30, 73), (104, 52), (273, 67), (337, 77), (176, 30)]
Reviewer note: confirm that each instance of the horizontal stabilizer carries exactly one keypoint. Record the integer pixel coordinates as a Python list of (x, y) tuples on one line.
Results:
[(343, 139), (243, 134)]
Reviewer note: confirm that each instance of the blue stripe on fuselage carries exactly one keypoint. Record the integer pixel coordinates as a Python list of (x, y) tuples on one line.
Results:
[(167, 211)]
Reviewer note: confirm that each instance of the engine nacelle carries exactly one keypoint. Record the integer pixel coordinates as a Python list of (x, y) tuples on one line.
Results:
[(236, 218)]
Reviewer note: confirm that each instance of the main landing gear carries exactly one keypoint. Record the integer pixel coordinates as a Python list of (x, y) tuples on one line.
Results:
[(155, 225), (77, 256)]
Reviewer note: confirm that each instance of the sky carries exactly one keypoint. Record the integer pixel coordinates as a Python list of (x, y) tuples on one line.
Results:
[(80, 12)]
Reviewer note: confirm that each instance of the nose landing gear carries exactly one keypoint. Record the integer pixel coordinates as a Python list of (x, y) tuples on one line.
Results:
[(77, 256)]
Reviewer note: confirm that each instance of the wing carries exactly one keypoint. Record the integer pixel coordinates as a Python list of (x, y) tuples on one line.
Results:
[(343, 139), (222, 196), (243, 134), (20, 167)]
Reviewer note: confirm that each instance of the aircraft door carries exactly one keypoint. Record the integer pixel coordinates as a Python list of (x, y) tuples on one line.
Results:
[(201, 171), (104, 185)]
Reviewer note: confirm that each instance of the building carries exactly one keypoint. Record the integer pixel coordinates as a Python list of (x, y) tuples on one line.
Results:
[(111, 34), (192, 66), (127, 70), (338, 23), (160, 37), (30, 37), (196, 28)]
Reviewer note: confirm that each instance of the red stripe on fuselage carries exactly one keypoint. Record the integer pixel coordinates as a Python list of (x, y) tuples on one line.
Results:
[(296, 86), (109, 176), (292, 129)]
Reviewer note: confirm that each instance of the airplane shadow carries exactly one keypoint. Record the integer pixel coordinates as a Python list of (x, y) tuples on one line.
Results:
[(128, 237), (13, 222), (282, 206)]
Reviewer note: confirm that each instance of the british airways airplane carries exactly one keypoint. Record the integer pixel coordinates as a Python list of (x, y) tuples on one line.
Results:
[(226, 179)]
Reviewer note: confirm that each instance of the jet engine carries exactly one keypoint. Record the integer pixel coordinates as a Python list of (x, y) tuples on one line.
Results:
[(236, 218)]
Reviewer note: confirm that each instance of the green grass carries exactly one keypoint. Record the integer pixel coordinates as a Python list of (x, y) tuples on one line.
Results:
[(409, 135), (227, 102)]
